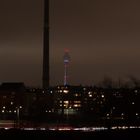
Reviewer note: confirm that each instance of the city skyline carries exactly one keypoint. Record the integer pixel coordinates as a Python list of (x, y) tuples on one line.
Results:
[(103, 39)]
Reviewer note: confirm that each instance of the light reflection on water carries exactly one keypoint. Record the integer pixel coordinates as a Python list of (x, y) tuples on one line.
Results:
[(83, 128), (60, 127)]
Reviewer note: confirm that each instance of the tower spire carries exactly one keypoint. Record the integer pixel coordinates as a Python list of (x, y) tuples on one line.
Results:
[(66, 64)]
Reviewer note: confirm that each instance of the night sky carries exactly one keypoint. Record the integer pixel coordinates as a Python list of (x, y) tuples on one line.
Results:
[(103, 38)]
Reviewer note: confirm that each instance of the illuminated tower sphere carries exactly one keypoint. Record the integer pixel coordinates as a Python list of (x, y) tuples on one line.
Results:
[(66, 64), (45, 78)]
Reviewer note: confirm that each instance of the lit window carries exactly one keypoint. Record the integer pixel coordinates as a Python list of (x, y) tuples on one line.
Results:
[(11, 103), (107, 114), (65, 91), (137, 114), (89, 92), (2, 111), (76, 94), (77, 105), (133, 103), (77, 102), (90, 95), (66, 102), (3, 107), (122, 114), (102, 96)]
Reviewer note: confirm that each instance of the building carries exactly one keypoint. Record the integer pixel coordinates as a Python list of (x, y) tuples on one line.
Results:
[(11, 99)]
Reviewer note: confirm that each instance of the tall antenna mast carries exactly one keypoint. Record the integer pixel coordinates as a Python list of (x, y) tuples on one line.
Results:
[(45, 78), (66, 64)]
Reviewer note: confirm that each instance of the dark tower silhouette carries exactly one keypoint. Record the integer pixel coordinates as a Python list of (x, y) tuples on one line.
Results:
[(45, 83)]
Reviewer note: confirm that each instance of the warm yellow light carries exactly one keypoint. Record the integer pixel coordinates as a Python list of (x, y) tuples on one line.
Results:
[(77, 105), (77, 102), (65, 91), (89, 92), (102, 96), (66, 102), (90, 95)]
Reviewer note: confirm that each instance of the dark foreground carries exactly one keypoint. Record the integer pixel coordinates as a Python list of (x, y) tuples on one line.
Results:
[(73, 135)]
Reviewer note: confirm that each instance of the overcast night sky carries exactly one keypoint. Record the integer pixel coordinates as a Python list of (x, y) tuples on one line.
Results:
[(103, 37)]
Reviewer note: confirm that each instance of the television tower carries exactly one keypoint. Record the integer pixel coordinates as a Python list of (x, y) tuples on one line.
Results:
[(45, 77), (66, 64)]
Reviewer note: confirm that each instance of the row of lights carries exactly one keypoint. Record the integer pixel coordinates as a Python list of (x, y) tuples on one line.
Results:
[(122, 114), (3, 110)]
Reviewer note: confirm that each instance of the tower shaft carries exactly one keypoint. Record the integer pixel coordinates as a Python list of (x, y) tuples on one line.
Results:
[(65, 74), (66, 64), (45, 82)]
